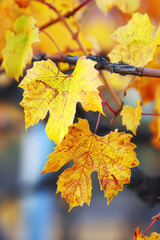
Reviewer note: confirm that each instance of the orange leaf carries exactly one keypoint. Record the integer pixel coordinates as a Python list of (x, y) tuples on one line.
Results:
[(148, 86), (138, 235), (48, 89), (22, 3), (111, 156), (155, 124), (157, 108), (131, 117)]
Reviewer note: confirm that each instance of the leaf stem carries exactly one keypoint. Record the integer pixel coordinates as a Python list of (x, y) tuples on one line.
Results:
[(112, 110), (117, 112), (154, 219), (99, 116), (66, 15), (97, 124), (151, 114), (111, 90)]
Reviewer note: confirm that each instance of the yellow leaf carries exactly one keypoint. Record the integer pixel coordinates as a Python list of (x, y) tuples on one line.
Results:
[(18, 51), (126, 6), (131, 117), (136, 42), (48, 89), (139, 236), (111, 156)]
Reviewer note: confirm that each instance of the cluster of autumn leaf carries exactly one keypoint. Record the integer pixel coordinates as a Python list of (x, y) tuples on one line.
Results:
[(47, 89)]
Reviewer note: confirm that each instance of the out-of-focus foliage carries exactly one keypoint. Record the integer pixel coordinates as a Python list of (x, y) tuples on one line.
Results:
[(18, 51), (127, 6)]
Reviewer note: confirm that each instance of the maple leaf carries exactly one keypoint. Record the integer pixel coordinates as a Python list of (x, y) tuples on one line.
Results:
[(111, 156), (136, 42), (131, 117), (126, 6), (18, 51), (48, 89), (139, 236)]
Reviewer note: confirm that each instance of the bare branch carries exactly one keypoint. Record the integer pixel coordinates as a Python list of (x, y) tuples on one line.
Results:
[(104, 64)]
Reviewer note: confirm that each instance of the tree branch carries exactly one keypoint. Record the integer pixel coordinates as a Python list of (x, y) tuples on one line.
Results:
[(104, 64), (124, 68), (66, 15)]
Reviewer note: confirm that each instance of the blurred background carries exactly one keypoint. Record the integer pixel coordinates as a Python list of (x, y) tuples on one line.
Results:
[(29, 206)]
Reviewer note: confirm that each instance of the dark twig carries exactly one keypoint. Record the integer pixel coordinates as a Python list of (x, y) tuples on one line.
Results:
[(104, 64)]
